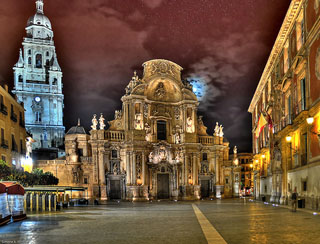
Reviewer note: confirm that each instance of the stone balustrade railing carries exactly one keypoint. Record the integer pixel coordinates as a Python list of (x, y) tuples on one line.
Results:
[(114, 135), (206, 140)]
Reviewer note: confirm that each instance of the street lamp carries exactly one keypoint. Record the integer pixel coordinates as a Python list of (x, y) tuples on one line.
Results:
[(310, 120), (288, 138)]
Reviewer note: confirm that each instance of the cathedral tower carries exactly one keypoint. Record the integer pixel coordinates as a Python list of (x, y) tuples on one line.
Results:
[(38, 82)]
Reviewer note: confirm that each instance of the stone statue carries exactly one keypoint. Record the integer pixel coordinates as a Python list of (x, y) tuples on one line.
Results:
[(115, 169), (148, 132), (177, 139), (101, 121), (117, 114), (189, 125), (217, 130), (29, 142), (138, 123), (160, 92), (151, 157), (235, 150), (94, 122), (221, 131)]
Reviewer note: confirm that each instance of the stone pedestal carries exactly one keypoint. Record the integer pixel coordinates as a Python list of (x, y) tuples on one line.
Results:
[(219, 190), (137, 193), (103, 194)]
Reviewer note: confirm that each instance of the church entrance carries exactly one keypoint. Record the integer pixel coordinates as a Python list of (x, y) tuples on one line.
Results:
[(163, 186), (115, 189), (205, 188)]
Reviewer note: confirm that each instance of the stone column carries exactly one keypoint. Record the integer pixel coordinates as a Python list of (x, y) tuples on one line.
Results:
[(37, 202), (217, 169), (186, 170), (49, 202), (143, 168), (134, 161), (43, 199), (128, 168), (194, 166), (102, 176)]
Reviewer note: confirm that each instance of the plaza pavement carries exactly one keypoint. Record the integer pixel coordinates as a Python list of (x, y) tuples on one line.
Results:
[(219, 221)]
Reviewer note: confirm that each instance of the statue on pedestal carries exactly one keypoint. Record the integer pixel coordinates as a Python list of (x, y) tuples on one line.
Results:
[(94, 122), (217, 130), (235, 150), (101, 121), (221, 131)]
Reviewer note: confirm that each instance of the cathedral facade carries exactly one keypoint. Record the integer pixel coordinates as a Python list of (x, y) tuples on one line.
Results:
[(157, 147), (38, 82)]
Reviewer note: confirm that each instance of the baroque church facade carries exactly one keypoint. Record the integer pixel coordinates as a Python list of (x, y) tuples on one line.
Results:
[(157, 147), (38, 82)]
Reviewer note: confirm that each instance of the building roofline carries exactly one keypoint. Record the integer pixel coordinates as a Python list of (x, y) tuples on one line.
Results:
[(285, 29)]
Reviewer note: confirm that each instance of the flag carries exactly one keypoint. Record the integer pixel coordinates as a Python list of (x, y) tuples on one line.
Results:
[(261, 124)]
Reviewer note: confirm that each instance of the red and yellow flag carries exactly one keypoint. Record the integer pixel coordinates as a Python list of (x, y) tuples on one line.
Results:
[(262, 122)]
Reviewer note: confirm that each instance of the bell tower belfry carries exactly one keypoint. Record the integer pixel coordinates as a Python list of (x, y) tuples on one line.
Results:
[(38, 82)]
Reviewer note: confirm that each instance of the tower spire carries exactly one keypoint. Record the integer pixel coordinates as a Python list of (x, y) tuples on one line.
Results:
[(39, 4)]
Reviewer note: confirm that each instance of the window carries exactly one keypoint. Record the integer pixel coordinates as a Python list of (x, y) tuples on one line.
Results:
[(54, 81), (38, 61), (38, 117), (304, 185), (20, 78), (3, 158), (47, 54), (114, 153), (29, 60), (85, 180), (204, 156), (80, 152), (161, 130), (227, 180), (300, 31), (286, 57), (13, 143), (303, 93), (21, 146), (265, 188), (29, 51)]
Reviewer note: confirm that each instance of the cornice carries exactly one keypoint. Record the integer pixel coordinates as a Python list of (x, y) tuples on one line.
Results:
[(284, 32)]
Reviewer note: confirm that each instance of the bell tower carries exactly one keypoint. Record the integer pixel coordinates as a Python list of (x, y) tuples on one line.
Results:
[(38, 82)]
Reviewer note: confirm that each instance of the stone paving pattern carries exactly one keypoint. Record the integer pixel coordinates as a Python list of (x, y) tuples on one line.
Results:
[(166, 222)]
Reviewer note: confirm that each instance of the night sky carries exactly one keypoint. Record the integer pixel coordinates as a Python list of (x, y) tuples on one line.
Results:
[(223, 43)]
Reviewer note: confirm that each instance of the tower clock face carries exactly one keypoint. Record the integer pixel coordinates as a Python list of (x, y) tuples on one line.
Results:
[(37, 99)]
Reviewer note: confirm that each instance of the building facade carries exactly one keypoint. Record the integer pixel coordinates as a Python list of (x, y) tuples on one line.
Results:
[(286, 111), (12, 129), (38, 82), (246, 174), (157, 147)]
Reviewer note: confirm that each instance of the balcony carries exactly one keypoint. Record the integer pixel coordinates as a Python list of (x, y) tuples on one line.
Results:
[(287, 120), (114, 135), (3, 109), (206, 140), (4, 144), (14, 117), (299, 107), (85, 159)]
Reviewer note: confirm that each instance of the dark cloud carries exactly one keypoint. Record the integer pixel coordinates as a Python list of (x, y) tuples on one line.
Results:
[(100, 43)]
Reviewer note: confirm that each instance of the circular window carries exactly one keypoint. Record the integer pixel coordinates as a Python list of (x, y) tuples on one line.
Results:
[(37, 99)]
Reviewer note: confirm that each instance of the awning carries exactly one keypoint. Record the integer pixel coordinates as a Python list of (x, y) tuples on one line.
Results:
[(2, 188), (14, 188)]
